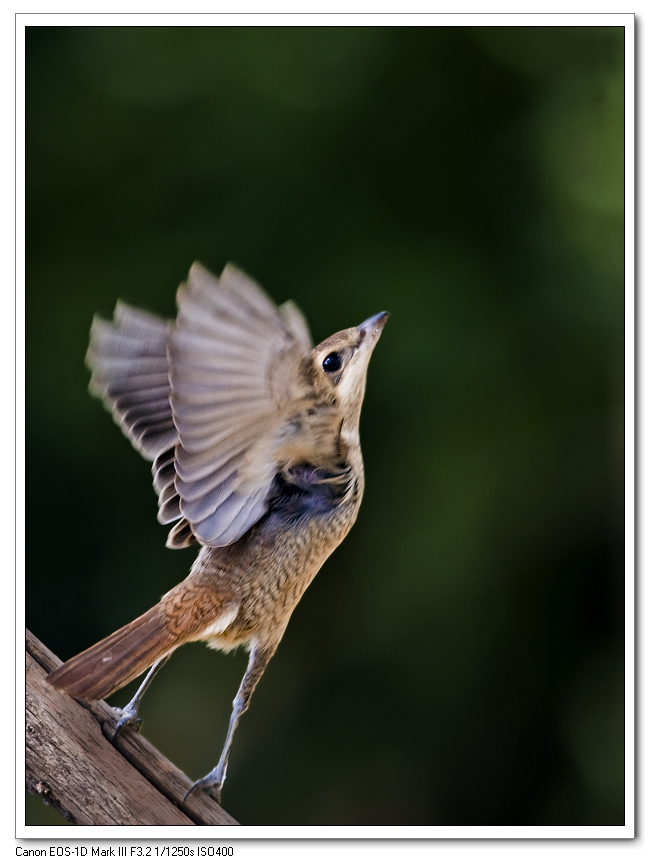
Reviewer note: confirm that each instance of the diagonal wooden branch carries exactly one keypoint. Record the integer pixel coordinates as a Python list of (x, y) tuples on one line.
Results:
[(73, 764)]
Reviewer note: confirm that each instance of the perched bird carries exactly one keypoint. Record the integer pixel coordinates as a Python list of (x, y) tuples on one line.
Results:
[(254, 438)]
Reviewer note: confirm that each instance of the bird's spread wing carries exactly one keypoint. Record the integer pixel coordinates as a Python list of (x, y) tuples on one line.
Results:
[(206, 397), (234, 361), (128, 359)]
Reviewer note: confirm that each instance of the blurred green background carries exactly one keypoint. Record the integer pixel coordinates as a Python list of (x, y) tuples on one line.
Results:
[(459, 659)]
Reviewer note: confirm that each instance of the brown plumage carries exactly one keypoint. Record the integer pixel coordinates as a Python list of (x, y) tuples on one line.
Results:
[(254, 438)]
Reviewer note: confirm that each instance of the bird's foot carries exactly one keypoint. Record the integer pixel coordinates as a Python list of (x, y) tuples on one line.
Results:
[(128, 716), (212, 783)]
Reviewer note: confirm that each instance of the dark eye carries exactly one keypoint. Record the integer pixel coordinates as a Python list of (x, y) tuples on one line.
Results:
[(332, 362)]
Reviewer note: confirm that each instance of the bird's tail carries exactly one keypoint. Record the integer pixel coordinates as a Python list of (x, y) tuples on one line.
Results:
[(116, 660)]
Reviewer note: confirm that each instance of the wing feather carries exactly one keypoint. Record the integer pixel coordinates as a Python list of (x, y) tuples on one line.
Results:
[(205, 397), (230, 343), (130, 372)]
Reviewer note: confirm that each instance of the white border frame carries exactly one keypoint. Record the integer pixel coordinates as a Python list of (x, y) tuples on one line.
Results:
[(234, 834)]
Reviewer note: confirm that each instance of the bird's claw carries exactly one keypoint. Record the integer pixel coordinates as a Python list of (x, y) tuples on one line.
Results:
[(128, 717), (212, 783)]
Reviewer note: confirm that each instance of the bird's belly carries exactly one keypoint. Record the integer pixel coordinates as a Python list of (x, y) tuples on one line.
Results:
[(268, 575)]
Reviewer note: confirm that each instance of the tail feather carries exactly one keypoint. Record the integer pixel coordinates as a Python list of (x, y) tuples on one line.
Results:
[(116, 660)]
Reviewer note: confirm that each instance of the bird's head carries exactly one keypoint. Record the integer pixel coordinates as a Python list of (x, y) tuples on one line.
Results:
[(340, 364)]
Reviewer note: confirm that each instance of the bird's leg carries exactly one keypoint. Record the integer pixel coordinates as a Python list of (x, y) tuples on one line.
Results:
[(128, 715), (257, 661)]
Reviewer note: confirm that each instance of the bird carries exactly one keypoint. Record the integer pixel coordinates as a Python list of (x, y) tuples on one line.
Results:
[(253, 435)]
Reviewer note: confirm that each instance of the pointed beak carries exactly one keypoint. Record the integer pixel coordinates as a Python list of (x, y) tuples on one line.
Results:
[(370, 330)]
